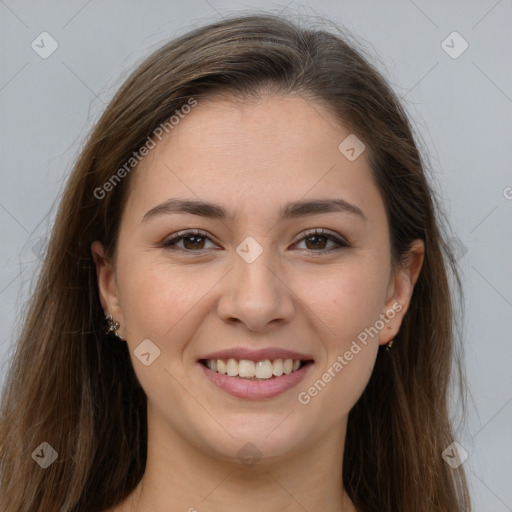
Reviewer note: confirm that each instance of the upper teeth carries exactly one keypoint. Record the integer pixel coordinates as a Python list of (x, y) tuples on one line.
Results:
[(248, 369)]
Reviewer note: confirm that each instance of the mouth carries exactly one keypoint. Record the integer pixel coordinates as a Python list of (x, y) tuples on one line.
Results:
[(255, 375), (254, 370)]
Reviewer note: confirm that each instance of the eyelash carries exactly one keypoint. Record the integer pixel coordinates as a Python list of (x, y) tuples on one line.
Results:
[(309, 234)]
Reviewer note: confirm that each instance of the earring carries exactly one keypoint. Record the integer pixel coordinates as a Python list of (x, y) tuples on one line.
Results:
[(112, 326), (389, 345)]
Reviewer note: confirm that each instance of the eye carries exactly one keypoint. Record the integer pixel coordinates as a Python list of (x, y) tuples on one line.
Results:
[(194, 240), (318, 238)]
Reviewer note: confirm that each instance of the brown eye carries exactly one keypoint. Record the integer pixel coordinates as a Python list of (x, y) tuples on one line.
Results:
[(193, 241), (317, 241)]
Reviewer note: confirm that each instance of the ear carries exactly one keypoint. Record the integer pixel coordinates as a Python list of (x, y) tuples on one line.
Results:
[(107, 284), (401, 287)]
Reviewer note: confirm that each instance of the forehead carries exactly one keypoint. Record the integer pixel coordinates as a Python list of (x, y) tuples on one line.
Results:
[(290, 124), (274, 148)]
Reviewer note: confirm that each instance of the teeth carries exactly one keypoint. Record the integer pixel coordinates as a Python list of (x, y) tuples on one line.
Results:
[(287, 366), (277, 367), (250, 369), (221, 366), (246, 368), (232, 368), (264, 369)]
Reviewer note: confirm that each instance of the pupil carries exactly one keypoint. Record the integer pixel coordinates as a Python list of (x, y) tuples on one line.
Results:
[(317, 237), (192, 238)]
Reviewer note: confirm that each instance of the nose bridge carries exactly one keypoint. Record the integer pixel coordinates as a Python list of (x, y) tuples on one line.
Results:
[(255, 294), (252, 269)]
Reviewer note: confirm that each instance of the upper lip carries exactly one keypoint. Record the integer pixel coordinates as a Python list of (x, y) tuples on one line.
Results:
[(257, 355)]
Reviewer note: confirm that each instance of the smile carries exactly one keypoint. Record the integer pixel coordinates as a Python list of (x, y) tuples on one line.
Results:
[(255, 370), (255, 380)]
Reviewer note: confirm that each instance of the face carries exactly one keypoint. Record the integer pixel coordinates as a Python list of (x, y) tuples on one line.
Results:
[(268, 280)]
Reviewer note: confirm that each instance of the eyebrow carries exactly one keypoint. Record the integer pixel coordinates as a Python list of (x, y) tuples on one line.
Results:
[(291, 210)]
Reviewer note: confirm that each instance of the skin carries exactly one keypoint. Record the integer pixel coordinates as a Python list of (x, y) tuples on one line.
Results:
[(252, 158)]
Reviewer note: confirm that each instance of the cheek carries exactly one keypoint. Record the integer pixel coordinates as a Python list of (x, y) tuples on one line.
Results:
[(337, 385), (160, 303), (156, 297), (347, 305), (348, 299)]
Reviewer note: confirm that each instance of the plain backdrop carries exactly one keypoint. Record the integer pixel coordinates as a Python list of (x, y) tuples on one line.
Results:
[(459, 101)]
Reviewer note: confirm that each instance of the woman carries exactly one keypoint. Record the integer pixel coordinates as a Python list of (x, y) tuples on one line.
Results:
[(247, 232)]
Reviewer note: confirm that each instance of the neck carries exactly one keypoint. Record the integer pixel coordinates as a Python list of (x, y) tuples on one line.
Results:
[(181, 477)]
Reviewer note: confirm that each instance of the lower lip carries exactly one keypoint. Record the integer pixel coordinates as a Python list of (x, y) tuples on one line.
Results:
[(256, 389)]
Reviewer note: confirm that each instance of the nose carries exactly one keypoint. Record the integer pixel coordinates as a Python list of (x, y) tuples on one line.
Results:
[(256, 295)]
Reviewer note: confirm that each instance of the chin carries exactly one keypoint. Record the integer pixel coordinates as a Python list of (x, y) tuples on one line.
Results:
[(267, 438)]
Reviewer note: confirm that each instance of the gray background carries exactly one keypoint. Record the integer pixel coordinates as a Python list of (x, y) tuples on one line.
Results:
[(462, 109)]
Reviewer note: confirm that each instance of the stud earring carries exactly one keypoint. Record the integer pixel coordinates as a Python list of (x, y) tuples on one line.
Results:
[(389, 345)]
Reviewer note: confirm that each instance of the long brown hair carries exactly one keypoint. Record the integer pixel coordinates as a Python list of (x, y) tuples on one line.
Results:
[(72, 386)]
